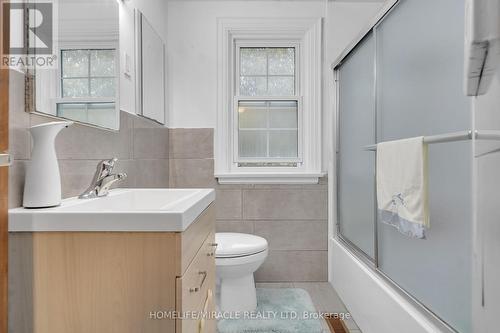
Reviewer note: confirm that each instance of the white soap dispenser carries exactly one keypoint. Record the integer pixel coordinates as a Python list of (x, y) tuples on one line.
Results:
[(42, 187)]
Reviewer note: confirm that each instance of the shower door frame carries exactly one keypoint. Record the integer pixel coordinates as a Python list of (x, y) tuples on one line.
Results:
[(371, 263)]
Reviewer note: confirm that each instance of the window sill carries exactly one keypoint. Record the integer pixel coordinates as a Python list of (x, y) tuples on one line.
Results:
[(269, 178)]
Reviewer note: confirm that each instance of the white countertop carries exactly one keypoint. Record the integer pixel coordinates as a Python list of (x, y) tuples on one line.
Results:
[(126, 210)]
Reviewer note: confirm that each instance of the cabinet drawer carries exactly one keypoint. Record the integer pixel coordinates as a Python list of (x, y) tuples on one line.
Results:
[(191, 240), (192, 289)]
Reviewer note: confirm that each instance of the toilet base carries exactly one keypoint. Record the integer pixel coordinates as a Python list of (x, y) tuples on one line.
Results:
[(238, 294)]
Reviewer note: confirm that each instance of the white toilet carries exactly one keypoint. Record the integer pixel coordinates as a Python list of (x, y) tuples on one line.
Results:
[(237, 257)]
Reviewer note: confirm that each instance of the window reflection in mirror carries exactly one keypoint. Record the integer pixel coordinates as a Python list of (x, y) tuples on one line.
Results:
[(84, 87)]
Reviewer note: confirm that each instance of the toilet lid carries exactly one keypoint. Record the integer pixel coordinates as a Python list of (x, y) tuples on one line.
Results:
[(230, 244)]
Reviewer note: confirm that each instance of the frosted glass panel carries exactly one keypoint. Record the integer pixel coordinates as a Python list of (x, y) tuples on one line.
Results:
[(102, 63), (99, 114), (253, 61), (102, 87), (420, 67), (75, 87), (72, 111), (102, 114), (88, 73), (282, 61), (253, 86), (253, 114), (268, 129), (281, 85), (357, 166), (283, 115), (267, 71), (283, 143), (75, 63), (253, 143)]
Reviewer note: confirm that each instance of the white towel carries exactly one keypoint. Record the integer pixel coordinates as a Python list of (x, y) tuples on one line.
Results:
[(402, 175)]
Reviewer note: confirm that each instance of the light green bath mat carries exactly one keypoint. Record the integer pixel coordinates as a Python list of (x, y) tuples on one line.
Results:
[(284, 310)]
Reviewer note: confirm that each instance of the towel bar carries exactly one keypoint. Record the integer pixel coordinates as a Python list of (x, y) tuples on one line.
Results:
[(452, 137)]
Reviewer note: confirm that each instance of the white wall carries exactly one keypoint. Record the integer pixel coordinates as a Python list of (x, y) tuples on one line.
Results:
[(192, 40), (155, 12)]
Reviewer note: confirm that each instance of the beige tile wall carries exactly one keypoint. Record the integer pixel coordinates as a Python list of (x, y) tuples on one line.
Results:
[(293, 218), (141, 147)]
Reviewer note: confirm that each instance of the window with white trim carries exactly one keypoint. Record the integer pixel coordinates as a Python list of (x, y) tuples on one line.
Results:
[(88, 85), (267, 106), (269, 101)]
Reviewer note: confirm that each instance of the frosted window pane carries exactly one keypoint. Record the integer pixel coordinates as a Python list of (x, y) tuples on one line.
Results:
[(253, 143), (252, 86), (102, 114), (283, 114), (75, 63), (252, 114), (281, 86), (281, 61), (102, 63), (253, 61), (283, 144), (267, 71), (75, 87), (102, 87), (72, 111)]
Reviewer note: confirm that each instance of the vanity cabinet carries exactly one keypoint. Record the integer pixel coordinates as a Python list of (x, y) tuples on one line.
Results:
[(107, 282)]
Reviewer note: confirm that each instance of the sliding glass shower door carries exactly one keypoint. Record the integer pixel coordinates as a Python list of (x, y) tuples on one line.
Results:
[(414, 89), (419, 82), (356, 168)]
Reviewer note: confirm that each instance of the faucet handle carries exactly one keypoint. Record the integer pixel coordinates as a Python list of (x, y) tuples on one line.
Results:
[(105, 167), (103, 179), (109, 163)]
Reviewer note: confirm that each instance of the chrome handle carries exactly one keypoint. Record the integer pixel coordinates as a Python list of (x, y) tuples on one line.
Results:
[(196, 289), (5, 160), (105, 167)]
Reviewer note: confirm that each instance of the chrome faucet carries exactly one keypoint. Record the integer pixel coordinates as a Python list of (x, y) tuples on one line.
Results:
[(103, 179)]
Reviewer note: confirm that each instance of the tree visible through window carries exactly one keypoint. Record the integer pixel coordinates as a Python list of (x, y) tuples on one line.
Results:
[(88, 85)]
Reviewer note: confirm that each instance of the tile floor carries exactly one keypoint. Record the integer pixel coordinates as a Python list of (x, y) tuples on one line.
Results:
[(324, 297)]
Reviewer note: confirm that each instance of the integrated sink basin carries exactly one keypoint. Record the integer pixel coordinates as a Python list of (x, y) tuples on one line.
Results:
[(139, 210)]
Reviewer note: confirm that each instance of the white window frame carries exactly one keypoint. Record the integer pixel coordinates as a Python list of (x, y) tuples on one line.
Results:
[(239, 98), (305, 35)]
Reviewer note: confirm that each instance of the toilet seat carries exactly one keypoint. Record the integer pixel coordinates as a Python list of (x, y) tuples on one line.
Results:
[(234, 245), (241, 260)]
